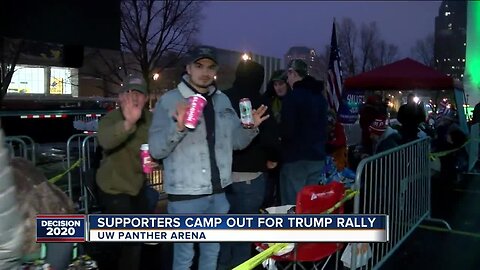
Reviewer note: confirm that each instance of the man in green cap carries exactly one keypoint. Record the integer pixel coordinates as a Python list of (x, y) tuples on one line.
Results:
[(120, 177)]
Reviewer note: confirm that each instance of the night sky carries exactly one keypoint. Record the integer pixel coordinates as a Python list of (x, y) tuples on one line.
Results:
[(271, 28)]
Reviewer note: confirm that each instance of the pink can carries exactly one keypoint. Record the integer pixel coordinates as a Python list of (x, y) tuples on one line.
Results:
[(197, 103), (147, 164)]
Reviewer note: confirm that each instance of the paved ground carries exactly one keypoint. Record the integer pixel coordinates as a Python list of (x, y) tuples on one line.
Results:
[(459, 204)]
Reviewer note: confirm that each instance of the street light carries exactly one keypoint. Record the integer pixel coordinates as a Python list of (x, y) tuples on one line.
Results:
[(246, 57), (156, 76)]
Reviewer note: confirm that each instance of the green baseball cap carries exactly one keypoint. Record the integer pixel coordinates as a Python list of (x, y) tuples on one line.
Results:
[(279, 75), (137, 84)]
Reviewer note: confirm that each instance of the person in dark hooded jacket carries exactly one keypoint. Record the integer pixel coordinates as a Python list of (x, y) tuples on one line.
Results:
[(303, 132), (246, 194), (410, 115), (277, 88)]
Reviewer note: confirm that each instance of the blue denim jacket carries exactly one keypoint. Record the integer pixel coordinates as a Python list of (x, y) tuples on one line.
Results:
[(185, 154)]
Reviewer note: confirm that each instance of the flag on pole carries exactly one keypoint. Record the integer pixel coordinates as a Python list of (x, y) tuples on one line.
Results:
[(334, 74)]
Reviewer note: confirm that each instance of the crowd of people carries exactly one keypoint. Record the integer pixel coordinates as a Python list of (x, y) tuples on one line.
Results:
[(441, 124), (222, 166)]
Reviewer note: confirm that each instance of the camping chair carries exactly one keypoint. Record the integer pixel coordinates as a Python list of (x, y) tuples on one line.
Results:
[(314, 199)]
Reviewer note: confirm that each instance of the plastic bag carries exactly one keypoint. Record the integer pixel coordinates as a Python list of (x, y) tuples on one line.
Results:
[(330, 167), (364, 253)]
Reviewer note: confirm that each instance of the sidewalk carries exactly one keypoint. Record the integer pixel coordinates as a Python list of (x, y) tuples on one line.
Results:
[(429, 249)]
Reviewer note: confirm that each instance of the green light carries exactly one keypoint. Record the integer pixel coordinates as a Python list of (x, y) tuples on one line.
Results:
[(472, 65)]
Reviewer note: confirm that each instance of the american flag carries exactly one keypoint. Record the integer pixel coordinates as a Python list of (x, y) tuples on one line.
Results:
[(334, 76)]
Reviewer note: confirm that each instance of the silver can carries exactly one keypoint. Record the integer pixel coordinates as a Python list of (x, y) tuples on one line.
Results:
[(246, 113)]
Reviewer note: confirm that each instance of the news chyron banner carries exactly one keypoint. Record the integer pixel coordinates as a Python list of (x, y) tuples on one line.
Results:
[(61, 228), (213, 228)]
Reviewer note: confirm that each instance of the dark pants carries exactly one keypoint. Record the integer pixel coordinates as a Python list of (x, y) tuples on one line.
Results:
[(244, 198), (127, 254), (272, 189)]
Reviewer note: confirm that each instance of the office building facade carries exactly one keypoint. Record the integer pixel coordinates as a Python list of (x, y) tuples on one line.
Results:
[(450, 38)]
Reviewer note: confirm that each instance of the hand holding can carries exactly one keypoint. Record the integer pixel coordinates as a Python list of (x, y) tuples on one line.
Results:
[(246, 114), (147, 163), (197, 103)]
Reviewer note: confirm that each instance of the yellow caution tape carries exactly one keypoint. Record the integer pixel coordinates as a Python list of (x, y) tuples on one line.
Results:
[(436, 155), (55, 179), (432, 228), (349, 194)]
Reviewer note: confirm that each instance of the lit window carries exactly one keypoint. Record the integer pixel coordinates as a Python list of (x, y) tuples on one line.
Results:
[(464, 44), (463, 60), (461, 75), (453, 67), (61, 81), (449, 25), (447, 13), (27, 80)]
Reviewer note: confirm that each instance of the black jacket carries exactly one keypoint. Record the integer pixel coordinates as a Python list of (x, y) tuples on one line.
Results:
[(248, 82), (304, 121)]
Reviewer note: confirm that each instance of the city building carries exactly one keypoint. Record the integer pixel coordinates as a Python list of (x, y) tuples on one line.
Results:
[(450, 38), (310, 57), (40, 71)]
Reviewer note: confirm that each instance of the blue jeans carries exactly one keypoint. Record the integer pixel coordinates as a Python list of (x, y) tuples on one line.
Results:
[(295, 175), (183, 252), (245, 198)]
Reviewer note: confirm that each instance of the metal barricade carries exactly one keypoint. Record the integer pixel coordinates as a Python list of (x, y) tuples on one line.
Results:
[(83, 147), (155, 179), (74, 146), (33, 149), (397, 183), (88, 150), (21, 146)]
